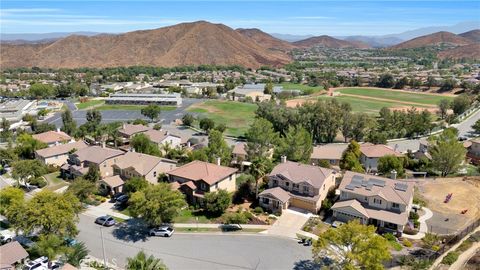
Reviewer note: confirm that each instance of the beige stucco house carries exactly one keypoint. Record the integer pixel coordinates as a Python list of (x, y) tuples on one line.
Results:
[(58, 155), (81, 160)]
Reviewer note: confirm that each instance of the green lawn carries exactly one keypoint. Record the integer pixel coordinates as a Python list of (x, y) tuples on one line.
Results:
[(307, 90), (237, 116), (109, 107), (54, 181), (90, 103), (396, 95), (369, 106), (188, 216)]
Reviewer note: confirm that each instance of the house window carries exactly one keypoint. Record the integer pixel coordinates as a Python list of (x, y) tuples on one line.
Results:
[(203, 186), (275, 183), (287, 184), (377, 201), (266, 200), (305, 188), (366, 198), (216, 185), (296, 185), (154, 174), (395, 205)]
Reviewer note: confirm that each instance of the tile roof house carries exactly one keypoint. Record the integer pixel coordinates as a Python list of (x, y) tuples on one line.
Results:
[(162, 137), (127, 131), (329, 152), (371, 153), (11, 255), (133, 164), (58, 154), (52, 138), (383, 202), (81, 160), (112, 184), (305, 186), (199, 177)]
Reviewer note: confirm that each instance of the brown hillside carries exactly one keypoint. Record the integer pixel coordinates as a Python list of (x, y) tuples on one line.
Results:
[(183, 44), (329, 42), (471, 51), (432, 40), (473, 35), (265, 40)]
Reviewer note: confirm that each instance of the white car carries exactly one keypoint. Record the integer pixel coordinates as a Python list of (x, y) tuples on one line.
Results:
[(6, 236), (38, 264), (165, 231)]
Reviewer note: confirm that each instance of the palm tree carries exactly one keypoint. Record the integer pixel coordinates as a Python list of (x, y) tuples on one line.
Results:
[(258, 169), (141, 262), (76, 254)]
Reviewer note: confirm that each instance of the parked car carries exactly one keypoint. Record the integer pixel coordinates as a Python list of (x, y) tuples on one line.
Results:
[(70, 241), (117, 195), (106, 221), (37, 264), (165, 231), (6, 236), (121, 201)]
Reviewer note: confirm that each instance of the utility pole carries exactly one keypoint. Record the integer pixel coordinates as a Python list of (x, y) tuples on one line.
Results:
[(103, 247)]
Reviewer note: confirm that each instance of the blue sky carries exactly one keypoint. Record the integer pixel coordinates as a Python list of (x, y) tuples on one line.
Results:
[(292, 17)]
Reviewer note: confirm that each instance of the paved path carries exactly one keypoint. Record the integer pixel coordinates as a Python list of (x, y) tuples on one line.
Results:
[(465, 256), (289, 224), (423, 224)]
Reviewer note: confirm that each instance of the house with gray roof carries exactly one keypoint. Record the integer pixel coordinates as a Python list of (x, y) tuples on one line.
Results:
[(374, 200), (293, 184)]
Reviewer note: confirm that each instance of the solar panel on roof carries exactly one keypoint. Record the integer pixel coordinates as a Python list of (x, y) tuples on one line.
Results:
[(401, 186), (350, 187), (377, 182), (369, 186)]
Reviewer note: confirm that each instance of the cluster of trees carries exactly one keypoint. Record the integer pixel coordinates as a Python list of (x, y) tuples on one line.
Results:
[(324, 119)]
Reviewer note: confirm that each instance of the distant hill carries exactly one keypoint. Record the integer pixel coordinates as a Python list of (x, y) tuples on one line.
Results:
[(434, 39), (35, 37), (266, 40), (471, 51), (329, 42), (374, 41), (182, 44), (473, 35), (290, 37)]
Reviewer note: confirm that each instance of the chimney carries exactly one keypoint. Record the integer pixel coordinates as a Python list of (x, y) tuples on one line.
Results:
[(58, 130), (393, 174), (124, 125), (189, 144), (218, 161), (283, 159), (103, 144)]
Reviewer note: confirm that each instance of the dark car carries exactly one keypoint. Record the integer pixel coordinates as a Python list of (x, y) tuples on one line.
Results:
[(121, 201), (106, 221), (117, 195)]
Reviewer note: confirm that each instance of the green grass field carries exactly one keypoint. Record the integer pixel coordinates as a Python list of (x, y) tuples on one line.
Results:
[(396, 95), (54, 181), (369, 106), (90, 103), (237, 116), (307, 90)]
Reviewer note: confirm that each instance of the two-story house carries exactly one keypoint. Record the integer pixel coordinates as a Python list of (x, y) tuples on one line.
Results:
[(371, 153), (127, 131), (297, 185), (52, 138), (58, 155), (383, 202), (198, 177), (133, 164), (332, 153), (163, 137), (101, 157)]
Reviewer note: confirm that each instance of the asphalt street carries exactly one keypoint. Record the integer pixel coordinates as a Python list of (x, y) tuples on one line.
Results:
[(196, 251)]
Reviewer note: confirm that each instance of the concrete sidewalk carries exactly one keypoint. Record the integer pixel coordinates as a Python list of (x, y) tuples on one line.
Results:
[(423, 224), (289, 224)]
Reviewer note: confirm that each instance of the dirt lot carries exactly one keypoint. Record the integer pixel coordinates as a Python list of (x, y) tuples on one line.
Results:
[(447, 216)]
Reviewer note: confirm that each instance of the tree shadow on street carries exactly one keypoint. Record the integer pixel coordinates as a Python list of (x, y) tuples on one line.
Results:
[(132, 230), (306, 265)]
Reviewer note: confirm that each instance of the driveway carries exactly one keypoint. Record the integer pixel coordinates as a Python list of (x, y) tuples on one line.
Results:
[(196, 251), (289, 223)]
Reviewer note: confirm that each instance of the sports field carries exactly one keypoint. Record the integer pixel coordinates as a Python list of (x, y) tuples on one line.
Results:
[(237, 116), (306, 89)]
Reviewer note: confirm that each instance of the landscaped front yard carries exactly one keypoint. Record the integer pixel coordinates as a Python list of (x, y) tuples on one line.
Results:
[(54, 181)]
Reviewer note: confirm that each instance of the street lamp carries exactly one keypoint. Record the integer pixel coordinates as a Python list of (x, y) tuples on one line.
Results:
[(103, 245)]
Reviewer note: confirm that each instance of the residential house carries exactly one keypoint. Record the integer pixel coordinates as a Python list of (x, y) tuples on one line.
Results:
[(162, 137), (112, 184), (81, 160), (332, 153), (474, 151), (198, 177), (293, 184), (239, 153), (133, 164), (371, 153), (127, 131), (52, 138), (58, 155), (383, 202), (12, 255)]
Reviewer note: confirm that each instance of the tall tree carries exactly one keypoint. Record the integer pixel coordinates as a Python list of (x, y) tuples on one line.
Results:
[(390, 162), (82, 189), (76, 254), (93, 174), (27, 145), (258, 169), (476, 127), (352, 246), (217, 202), (268, 89), (297, 144), (8, 196), (261, 139), (351, 158), (157, 204), (218, 148), (461, 103), (25, 171), (142, 144), (206, 124), (142, 262), (6, 133), (188, 119), (443, 107), (152, 111), (69, 125), (94, 117), (447, 152), (39, 90), (49, 245)]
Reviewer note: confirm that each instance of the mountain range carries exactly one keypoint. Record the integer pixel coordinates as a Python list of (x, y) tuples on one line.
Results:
[(194, 44)]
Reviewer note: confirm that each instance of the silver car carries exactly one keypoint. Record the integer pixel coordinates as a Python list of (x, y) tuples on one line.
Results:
[(164, 231), (105, 221)]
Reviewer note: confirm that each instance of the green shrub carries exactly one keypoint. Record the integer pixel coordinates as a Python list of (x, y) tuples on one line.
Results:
[(414, 215), (390, 237), (450, 258), (39, 182), (416, 223), (307, 228), (248, 215), (407, 243), (258, 210), (435, 248)]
